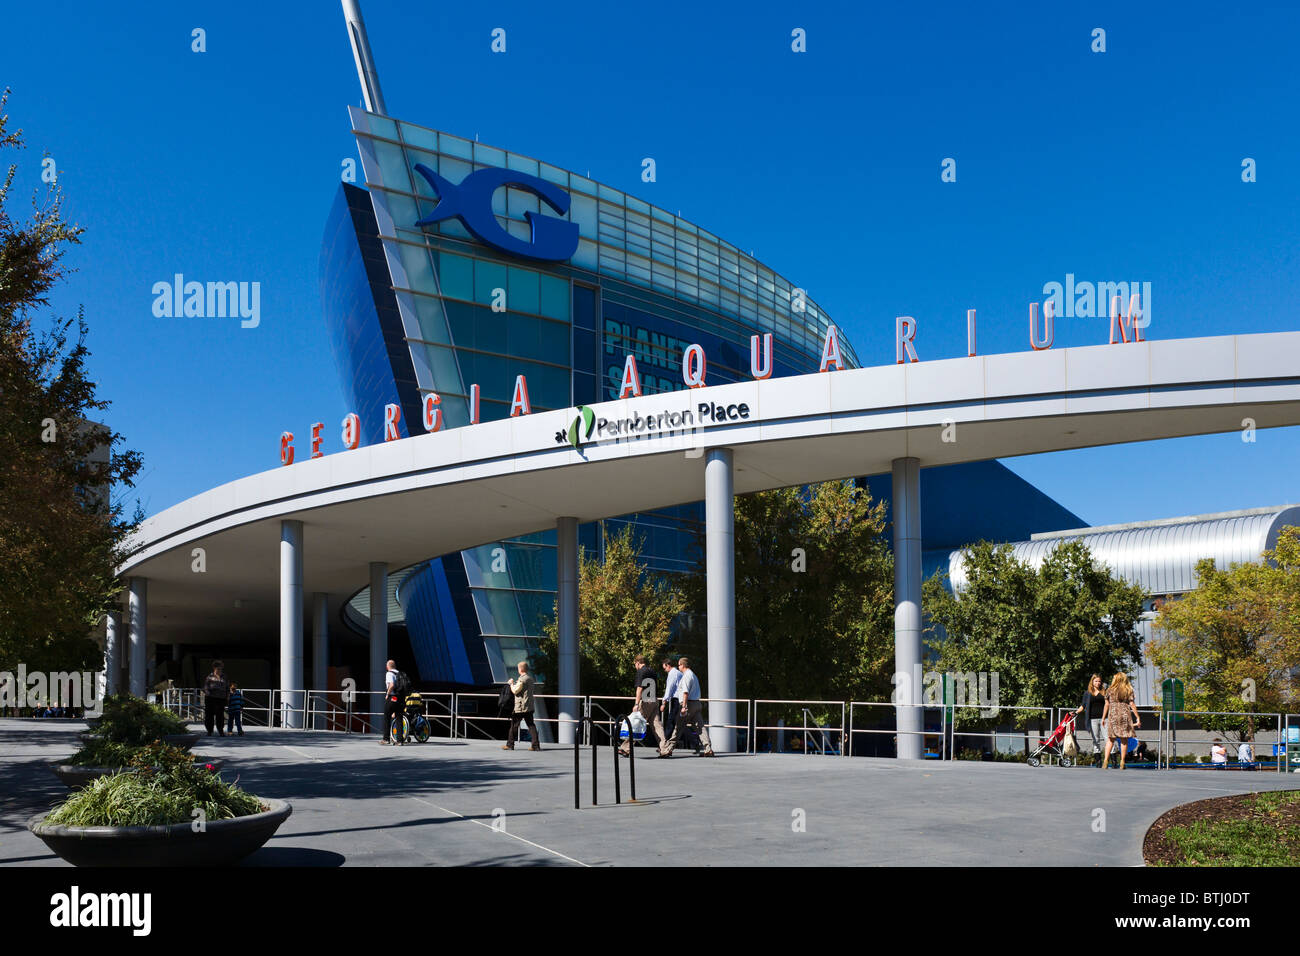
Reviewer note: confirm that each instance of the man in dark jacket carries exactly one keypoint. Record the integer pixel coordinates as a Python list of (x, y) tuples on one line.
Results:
[(215, 693)]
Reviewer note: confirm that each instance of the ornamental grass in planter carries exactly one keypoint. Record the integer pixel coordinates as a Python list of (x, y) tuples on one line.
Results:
[(166, 787), (168, 811)]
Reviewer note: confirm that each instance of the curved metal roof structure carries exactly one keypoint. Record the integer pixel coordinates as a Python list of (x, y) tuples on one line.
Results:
[(1161, 556)]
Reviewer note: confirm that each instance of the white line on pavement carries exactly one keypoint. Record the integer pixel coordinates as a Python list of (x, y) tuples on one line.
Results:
[(506, 832)]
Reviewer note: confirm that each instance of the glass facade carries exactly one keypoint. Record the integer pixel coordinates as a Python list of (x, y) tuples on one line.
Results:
[(412, 310)]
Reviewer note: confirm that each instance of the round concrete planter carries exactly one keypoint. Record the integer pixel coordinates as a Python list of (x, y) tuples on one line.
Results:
[(75, 777), (184, 741), (222, 842)]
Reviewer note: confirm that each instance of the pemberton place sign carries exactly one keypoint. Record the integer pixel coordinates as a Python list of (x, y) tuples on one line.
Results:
[(1124, 328)]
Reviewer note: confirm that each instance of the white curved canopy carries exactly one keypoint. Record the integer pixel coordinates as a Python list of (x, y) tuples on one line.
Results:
[(408, 500)]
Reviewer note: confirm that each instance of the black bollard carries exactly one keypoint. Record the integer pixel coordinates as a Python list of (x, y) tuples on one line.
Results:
[(577, 739)]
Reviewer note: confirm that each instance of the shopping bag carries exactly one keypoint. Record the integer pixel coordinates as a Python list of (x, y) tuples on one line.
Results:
[(638, 726)]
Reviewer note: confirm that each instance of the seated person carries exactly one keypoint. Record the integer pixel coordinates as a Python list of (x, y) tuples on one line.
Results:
[(1246, 754), (1219, 754)]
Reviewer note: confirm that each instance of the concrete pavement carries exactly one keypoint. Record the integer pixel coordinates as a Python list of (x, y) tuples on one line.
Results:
[(457, 802)]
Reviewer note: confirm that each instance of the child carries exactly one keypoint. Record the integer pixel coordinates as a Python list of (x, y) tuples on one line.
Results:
[(235, 710)]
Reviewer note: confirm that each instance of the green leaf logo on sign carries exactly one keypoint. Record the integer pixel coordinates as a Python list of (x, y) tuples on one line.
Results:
[(582, 426)]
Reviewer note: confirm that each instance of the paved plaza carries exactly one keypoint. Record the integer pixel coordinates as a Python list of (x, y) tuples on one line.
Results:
[(459, 803)]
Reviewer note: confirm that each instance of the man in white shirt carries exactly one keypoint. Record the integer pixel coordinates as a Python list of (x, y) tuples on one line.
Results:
[(692, 712)]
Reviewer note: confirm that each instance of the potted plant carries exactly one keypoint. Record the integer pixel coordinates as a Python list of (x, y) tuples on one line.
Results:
[(99, 757), (169, 811), (131, 720)]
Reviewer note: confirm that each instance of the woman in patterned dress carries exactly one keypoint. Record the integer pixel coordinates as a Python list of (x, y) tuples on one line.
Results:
[(1120, 717)]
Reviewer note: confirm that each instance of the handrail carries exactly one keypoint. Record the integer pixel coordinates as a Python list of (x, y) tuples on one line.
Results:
[(315, 705)]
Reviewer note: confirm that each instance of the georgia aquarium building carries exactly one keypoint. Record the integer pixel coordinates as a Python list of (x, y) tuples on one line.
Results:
[(462, 265)]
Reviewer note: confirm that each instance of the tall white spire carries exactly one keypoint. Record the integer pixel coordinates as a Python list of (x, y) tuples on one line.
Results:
[(373, 96)]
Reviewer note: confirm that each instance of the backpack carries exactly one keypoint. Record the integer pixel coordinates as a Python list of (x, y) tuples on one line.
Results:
[(507, 699), (401, 686)]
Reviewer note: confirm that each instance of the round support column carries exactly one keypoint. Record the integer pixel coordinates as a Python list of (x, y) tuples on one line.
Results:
[(907, 606), (320, 650), (291, 598), (720, 556), (566, 556), (378, 638), (138, 618), (112, 652)]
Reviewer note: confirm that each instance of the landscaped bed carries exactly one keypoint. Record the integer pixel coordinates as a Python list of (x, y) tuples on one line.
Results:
[(1253, 829)]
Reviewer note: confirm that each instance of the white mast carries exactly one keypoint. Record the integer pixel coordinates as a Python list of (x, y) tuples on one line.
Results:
[(373, 96)]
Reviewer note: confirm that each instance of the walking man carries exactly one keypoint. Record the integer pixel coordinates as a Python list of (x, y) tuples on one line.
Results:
[(669, 705), (646, 703), (692, 712), (523, 691)]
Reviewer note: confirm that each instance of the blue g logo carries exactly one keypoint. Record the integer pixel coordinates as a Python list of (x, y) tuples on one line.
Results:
[(471, 202)]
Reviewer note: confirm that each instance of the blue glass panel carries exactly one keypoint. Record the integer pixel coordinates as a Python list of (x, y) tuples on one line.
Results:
[(553, 296), (456, 275), (584, 307), (522, 292), (487, 276), (536, 610), (553, 342)]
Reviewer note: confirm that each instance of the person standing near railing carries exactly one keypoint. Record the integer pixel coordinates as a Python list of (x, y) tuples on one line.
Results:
[(523, 691), (692, 712), (669, 705), (235, 710), (215, 692)]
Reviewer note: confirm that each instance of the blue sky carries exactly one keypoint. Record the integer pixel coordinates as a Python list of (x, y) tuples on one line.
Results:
[(1122, 165)]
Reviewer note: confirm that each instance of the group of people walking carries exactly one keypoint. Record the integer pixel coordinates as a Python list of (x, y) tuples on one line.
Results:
[(677, 713), (1111, 715)]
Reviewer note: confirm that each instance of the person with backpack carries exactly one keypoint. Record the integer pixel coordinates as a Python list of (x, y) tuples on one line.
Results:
[(235, 710), (522, 689), (396, 688)]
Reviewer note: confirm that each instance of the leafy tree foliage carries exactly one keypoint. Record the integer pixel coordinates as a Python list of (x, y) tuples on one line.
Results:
[(61, 534), (1043, 630), (1235, 640), (814, 595), (623, 610)]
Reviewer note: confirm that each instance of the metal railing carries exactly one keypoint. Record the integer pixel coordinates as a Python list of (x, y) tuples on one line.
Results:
[(466, 715), (799, 708), (1278, 745)]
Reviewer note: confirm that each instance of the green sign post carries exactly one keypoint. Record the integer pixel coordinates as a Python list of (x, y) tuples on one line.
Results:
[(1171, 698)]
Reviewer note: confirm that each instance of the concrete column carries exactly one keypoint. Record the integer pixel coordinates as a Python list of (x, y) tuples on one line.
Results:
[(138, 618), (112, 652), (720, 550), (378, 634), (907, 606), (291, 597), (566, 555), (320, 650)]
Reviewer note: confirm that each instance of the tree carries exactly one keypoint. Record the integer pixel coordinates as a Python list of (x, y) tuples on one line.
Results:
[(61, 533), (1044, 631), (814, 595), (1235, 640), (623, 610)]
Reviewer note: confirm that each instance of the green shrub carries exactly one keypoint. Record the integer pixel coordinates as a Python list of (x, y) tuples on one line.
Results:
[(166, 788), (104, 753), (131, 720)]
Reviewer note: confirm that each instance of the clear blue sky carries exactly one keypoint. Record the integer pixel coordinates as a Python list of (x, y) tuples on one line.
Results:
[(1123, 165)]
